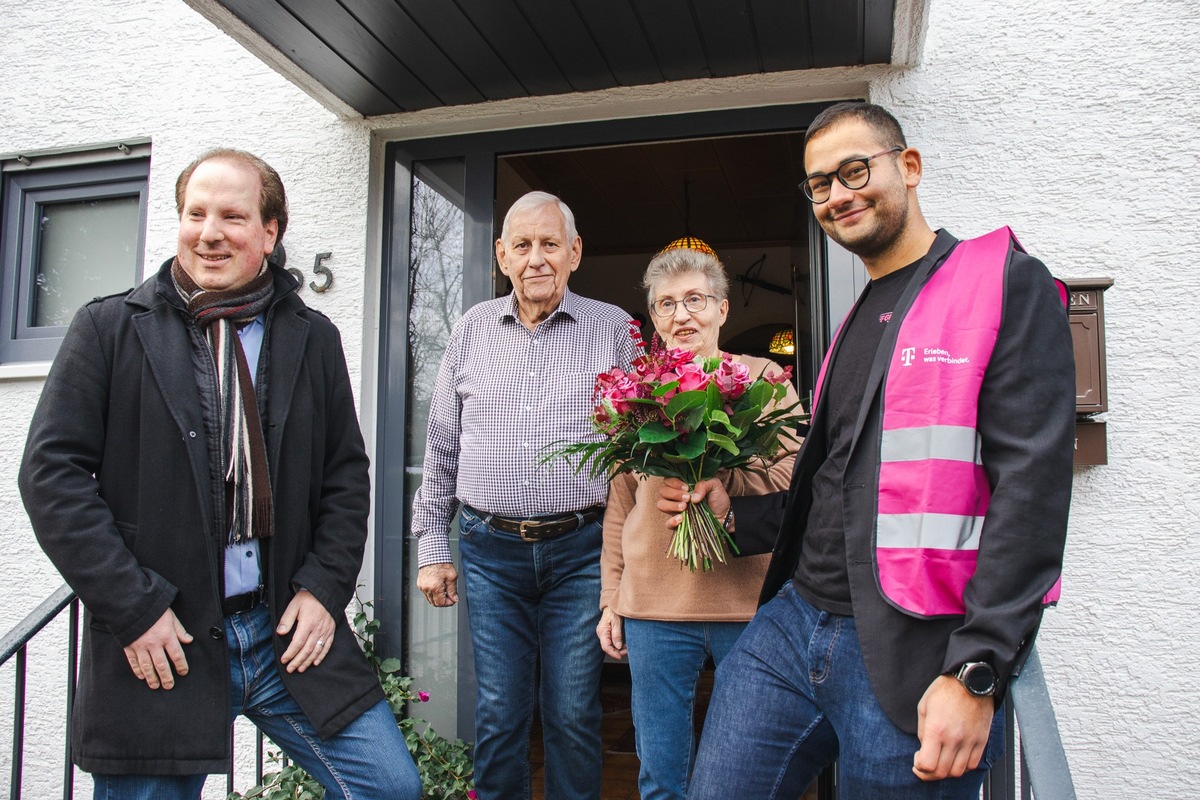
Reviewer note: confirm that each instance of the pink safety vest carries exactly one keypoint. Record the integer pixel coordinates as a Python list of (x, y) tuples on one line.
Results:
[(933, 489)]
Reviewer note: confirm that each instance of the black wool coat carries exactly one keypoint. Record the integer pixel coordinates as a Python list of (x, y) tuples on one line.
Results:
[(119, 485)]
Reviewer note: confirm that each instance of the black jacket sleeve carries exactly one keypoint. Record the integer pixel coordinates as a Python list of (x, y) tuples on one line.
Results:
[(73, 524), (756, 520)]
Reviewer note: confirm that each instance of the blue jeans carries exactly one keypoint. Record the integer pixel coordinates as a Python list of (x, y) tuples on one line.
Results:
[(665, 659), (792, 697), (367, 760), (533, 608)]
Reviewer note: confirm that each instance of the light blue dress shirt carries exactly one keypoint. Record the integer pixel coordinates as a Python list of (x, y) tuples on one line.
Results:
[(242, 570)]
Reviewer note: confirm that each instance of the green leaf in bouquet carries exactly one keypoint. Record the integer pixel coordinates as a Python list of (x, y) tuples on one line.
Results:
[(664, 388), (719, 417), (683, 402), (692, 419), (742, 419), (715, 400), (693, 446), (759, 394), (655, 432), (724, 442)]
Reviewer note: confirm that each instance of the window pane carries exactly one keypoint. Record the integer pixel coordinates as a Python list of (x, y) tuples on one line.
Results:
[(87, 249), (435, 304)]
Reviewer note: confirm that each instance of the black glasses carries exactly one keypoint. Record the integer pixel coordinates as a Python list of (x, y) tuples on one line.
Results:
[(854, 174), (694, 303)]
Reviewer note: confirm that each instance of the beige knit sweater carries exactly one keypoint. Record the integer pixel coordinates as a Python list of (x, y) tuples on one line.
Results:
[(638, 579)]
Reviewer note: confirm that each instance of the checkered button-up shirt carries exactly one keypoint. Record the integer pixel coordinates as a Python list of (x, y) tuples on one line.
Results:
[(503, 395)]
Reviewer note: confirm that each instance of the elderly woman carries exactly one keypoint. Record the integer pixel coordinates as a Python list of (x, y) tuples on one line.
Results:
[(669, 620)]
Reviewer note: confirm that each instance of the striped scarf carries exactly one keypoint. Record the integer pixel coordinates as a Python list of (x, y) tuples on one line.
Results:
[(244, 451)]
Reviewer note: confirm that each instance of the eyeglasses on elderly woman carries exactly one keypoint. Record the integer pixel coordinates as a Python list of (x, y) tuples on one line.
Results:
[(694, 303)]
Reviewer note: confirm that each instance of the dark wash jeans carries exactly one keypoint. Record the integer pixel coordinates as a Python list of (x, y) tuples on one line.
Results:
[(367, 760), (792, 697), (533, 608)]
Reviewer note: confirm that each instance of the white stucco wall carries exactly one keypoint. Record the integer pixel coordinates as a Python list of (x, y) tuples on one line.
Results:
[(1074, 122), (103, 71)]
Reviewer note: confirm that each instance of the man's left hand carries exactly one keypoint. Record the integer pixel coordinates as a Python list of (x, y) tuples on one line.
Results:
[(314, 632), (953, 726)]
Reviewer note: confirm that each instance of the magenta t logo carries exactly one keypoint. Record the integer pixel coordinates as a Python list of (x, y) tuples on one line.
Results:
[(907, 355)]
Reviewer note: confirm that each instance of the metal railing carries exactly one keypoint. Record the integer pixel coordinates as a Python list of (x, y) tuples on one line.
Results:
[(15, 644), (1043, 768)]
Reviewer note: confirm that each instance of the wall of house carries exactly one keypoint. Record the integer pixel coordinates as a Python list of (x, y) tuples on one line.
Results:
[(104, 71), (1073, 122)]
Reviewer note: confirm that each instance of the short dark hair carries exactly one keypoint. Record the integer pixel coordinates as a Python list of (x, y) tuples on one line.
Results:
[(877, 117), (272, 200)]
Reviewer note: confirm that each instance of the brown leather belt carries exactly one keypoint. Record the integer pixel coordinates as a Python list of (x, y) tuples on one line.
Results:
[(537, 529)]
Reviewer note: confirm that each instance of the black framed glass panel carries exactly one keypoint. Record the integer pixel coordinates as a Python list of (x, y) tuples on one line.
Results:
[(435, 269), (68, 235)]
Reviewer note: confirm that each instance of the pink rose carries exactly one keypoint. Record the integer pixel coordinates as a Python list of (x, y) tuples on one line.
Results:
[(611, 395), (692, 376), (732, 378), (471, 794), (423, 697)]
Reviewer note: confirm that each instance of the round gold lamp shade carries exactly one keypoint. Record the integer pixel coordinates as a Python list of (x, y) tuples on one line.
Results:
[(783, 343), (690, 243)]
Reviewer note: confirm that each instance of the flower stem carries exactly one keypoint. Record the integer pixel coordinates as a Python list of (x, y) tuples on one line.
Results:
[(700, 538)]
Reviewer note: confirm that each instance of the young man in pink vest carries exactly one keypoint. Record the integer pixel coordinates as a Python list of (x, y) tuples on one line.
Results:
[(924, 528)]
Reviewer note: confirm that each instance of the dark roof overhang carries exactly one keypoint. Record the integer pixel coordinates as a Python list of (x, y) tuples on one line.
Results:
[(389, 56)]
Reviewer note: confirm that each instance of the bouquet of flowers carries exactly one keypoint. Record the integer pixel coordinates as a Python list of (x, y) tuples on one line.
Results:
[(688, 417)]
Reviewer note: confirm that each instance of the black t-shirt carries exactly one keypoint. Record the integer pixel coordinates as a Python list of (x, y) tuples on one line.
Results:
[(820, 575)]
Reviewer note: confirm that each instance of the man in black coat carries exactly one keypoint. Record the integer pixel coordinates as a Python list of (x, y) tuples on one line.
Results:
[(195, 471), (924, 527)]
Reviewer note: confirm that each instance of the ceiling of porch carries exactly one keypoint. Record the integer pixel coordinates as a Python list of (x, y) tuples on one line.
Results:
[(389, 56)]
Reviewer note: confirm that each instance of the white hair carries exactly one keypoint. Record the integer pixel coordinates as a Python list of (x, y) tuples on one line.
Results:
[(535, 200)]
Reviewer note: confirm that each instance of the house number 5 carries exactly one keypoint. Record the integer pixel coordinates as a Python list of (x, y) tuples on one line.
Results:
[(319, 269)]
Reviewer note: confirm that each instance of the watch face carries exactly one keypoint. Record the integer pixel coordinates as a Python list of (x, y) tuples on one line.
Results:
[(980, 679)]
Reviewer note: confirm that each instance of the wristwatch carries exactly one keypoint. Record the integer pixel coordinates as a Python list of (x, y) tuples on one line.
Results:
[(978, 678)]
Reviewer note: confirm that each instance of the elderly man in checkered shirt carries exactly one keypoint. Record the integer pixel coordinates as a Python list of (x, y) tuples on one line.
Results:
[(517, 376)]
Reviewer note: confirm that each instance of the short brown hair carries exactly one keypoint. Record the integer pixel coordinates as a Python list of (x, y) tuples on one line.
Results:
[(272, 201)]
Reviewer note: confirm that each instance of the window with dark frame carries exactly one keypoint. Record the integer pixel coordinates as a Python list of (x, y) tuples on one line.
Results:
[(72, 228)]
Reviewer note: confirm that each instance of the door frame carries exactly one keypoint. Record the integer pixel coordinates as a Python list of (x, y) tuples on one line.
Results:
[(479, 152)]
